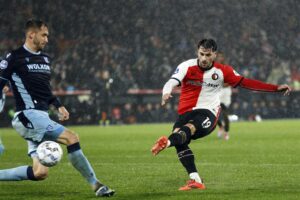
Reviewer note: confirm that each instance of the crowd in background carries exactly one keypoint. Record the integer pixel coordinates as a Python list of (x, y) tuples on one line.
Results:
[(112, 46)]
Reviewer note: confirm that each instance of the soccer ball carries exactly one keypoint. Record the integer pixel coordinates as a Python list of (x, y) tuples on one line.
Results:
[(49, 153)]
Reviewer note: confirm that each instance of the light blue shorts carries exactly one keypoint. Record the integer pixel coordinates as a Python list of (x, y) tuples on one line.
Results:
[(35, 126)]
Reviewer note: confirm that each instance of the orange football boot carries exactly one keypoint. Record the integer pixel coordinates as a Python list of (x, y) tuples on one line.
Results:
[(160, 145), (192, 184)]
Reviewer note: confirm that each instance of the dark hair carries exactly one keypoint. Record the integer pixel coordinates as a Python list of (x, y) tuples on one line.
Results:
[(35, 24), (208, 44)]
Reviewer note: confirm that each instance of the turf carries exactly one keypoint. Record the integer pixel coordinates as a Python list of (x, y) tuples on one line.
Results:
[(260, 161)]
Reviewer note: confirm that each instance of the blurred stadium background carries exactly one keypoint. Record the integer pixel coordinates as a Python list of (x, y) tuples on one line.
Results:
[(111, 58)]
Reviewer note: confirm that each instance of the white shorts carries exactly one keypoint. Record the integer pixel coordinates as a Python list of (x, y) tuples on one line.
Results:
[(36, 126)]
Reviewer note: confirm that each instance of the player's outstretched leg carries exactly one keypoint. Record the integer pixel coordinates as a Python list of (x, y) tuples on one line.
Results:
[(81, 163), (17, 174), (180, 139), (37, 172)]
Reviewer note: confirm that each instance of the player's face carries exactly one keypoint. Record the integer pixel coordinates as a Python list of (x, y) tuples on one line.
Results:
[(206, 57), (40, 38)]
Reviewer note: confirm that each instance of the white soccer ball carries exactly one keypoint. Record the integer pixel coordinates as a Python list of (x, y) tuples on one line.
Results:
[(49, 153)]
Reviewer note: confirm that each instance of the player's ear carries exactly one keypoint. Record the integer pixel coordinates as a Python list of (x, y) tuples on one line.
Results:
[(197, 52), (30, 34), (214, 55)]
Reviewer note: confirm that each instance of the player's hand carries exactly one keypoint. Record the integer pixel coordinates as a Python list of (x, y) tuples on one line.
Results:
[(5, 89), (284, 88), (63, 114), (165, 98)]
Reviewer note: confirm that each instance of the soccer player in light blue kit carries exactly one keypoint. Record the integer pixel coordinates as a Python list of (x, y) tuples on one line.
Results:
[(28, 70)]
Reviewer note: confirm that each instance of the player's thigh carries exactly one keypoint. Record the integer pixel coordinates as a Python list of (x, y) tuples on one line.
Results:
[(35, 125), (182, 120), (204, 122)]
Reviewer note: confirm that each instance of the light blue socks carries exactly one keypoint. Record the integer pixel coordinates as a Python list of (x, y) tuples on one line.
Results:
[(80, 162), (17, 174)]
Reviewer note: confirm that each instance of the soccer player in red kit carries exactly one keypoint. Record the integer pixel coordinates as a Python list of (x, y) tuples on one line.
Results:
[(201, 80)]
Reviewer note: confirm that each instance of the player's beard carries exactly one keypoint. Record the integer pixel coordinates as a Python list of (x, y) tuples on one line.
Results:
[(205, 64), (38, 44)]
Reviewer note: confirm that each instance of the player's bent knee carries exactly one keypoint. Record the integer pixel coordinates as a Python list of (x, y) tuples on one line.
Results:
[(68, 137), (72, 137)]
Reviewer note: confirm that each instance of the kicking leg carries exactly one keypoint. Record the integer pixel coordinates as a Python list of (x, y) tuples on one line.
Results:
[(35, 172), (178, 137)]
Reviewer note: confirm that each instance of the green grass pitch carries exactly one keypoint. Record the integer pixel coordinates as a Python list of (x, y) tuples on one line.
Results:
[(260, 161)]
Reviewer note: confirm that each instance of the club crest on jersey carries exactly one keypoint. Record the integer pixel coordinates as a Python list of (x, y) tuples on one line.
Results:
[(214, 76), (46, 59), (3, 64)]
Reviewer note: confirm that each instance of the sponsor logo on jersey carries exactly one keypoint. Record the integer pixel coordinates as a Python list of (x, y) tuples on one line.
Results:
[(215, 76), (38, 67), (198, 83), (3, 64), (27, 59)]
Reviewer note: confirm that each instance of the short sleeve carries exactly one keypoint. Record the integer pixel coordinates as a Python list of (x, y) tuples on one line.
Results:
[(180, 72)]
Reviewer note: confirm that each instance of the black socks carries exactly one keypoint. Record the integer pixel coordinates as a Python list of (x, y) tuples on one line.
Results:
[(186, 157)]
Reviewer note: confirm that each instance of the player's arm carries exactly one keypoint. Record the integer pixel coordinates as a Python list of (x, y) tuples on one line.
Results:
[(264, 87), (3, 87), (5, 72), (174, 81), (234, 79), (63, 112), (167, 90), (3, 90)]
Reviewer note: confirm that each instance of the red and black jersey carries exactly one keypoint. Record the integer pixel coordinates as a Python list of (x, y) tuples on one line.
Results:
[(201, 88)]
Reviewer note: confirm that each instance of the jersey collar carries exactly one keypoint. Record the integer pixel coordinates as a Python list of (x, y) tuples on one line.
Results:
[(30, 51)]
